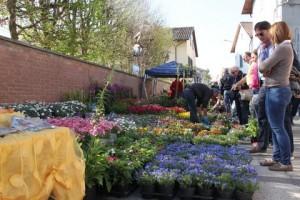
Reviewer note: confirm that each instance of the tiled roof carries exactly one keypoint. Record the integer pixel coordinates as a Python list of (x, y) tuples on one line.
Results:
[(182, 33), (248, 7)]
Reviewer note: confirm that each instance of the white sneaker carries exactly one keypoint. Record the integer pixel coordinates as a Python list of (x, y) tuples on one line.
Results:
[(292, 157)]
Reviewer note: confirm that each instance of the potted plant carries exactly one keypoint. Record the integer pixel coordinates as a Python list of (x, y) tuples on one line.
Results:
[(187, 188), (226, 186), (121, 177), (147, 183), (166, 182), (245, 189), (95, 168), (204, 187)]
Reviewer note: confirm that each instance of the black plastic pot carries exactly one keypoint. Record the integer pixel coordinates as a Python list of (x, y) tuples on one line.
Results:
[(240, 195), (166, 189), (148, 189), (205, 192), (225, 194), (122, 190), (91, 193), (187, 192)]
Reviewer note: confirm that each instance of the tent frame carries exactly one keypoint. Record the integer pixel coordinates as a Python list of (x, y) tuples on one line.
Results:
[(154, 83)]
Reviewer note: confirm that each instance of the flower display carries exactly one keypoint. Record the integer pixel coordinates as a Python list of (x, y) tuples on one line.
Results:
[(82, 127), (144, 109), (208, 165), (176, 109), (184, 115), (45, 110), (124, 124), (154, 109)]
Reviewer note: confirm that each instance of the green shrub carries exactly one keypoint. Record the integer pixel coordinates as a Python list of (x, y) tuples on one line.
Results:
[(120, 107)]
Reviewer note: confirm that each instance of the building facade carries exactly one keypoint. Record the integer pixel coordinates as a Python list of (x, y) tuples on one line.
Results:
[(242, 42), (276, 10), (184, 49)]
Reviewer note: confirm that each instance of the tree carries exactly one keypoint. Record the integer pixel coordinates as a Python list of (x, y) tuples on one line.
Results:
[(100, 31)]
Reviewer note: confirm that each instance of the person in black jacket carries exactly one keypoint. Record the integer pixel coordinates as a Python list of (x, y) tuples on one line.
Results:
[(226, 84), (198, 95), (236, 97)]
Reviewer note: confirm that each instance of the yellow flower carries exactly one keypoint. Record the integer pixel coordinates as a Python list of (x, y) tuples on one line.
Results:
[(184, 115)]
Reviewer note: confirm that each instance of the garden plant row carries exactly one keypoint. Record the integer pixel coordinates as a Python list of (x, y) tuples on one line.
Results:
[(163, 155)]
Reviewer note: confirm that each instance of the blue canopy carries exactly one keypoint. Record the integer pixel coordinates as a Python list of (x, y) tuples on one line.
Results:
[(169, 70)]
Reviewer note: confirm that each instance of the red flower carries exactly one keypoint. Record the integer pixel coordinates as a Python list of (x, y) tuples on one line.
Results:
[(111, 159)]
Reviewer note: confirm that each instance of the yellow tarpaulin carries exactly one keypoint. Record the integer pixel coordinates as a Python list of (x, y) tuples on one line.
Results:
[(34, 165)]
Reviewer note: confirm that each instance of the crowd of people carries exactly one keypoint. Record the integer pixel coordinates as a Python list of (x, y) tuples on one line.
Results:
[(269, 91)]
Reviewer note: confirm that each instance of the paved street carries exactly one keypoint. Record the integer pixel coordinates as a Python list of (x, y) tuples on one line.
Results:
[(279, 185)]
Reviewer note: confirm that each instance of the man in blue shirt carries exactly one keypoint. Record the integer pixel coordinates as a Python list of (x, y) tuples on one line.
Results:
[(262, 32), (265, 49)]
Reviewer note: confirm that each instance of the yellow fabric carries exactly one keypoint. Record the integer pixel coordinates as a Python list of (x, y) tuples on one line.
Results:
[(35, 164), (5, 118)]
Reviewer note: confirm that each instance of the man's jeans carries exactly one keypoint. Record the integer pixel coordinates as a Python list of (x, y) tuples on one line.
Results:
[(264, 134), (229, 97), (277, 100), (190, 98), (245, 112), (295, 104)]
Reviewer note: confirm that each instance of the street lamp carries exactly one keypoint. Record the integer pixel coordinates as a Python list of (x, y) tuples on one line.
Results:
[(137, 51)]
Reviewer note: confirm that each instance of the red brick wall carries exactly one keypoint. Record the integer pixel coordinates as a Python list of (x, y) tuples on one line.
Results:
[(29, 73)]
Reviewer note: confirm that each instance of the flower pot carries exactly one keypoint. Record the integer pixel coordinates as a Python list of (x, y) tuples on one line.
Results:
[(166, 189), (105, 141), (240, 195), (90, 193), (112, 137), (225, 194), (88, 115), (205, 192), (122, 190), (148, 189), (187, 192)]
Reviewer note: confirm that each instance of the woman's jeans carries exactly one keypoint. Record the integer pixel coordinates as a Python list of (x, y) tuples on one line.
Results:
[(277, 100)]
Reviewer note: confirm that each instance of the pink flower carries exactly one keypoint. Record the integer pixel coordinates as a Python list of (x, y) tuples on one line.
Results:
[(82, 127)]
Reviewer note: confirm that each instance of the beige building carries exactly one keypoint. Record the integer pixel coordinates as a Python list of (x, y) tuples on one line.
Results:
[(273, 11), (184, 49)]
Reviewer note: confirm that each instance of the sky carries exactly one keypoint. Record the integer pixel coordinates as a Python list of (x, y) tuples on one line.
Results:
[(215, 23)]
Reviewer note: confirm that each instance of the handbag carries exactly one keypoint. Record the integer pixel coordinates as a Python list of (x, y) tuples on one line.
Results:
[(246, 95)]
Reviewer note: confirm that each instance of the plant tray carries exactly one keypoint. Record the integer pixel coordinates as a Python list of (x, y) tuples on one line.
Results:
[(158, 196), (220, 198), (116, 192), (196, 197)]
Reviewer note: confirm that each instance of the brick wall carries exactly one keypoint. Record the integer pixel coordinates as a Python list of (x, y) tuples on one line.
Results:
[(30, 73)]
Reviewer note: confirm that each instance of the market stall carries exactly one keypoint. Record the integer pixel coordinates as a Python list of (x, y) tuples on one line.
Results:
[(166, 70)]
